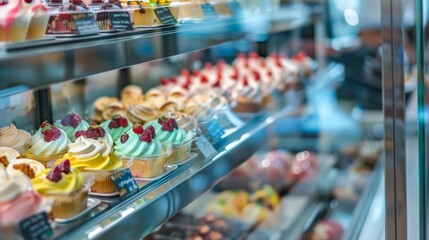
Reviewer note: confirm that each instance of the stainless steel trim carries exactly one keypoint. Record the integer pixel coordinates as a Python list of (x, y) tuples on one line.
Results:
[(393, 107)]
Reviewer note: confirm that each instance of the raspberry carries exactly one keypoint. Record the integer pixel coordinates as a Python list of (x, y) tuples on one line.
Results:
[(64, 166), (173, 123), (55, 174), (169, 125), (173, 79), (161, 120), (44, 124), (152, 131), (124, 138), (113, 124), (138, 128), (123, 122), (204, 79), (80, 133), (75, 120), (207, 65), (51, 133), (164, 81), (95, 132), (256, 75), (245, 82), (66, 120), (253, 55), (145, 137)]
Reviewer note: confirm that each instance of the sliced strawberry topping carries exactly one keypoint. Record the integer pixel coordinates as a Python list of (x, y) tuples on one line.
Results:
[(44, 124), (138, 128), (146, 136), (123, 121), (64, 166), (151, 129), (204, 79), (55, 174), (124, 138), (245, 81), (50, 133), (113, 124)]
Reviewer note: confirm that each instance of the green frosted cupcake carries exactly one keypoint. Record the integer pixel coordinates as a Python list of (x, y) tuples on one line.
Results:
[(71, 124)]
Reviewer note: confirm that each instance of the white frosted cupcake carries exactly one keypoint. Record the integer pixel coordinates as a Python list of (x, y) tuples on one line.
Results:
[(14, 138)]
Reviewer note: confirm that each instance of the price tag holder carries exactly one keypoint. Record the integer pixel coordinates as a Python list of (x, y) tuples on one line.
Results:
[(120, 21), (125, 182), (208, 11), (214, 130), (85, 23), (235, 7), (36, 227), (205, 146), (164, 15)]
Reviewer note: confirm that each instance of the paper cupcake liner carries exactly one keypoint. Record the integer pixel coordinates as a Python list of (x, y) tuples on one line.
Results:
[(180, 153), (103, 182), (46, 161), (38, 26), (146, 167)]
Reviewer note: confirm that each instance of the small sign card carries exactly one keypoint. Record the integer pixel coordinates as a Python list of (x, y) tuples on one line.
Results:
[(234, 7), (85, 23), (164, 15), (214, 130), (125, 182), (205, 146), (120, 21), (36, 227), (208, 11)]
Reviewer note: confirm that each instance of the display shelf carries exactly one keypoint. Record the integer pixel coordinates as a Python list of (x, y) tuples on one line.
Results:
[(41, 63)]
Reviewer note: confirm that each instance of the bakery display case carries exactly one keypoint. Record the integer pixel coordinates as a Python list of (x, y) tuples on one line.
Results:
[(225, 125)]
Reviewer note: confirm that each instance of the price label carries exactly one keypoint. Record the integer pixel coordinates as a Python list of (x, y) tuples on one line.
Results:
[(85, 23), (205, 146), (164, 15), (36, 227), (125, 182), (120, 21), (214, 130), (208, 11), (234, 7)]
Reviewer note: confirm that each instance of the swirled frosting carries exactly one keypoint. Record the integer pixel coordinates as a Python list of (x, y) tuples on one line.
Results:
[(10, 153), (177, 136), (12, 185), (201, 112), (25, 166), (42, 148), (186, 121), (116, 133), (90, 154), (70, 130), (14, 138), (141, 114), (134, 147), (248, 92), (69, 183)]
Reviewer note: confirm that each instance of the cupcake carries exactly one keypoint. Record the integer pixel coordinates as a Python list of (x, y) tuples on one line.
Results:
[(14, 138), (105, 107), (156, 97), (18, 202), (66, 186), (177, 94), (14, 21), (145, 151), (172, 106), (49, 143), (185, 121), (141, 113), (255, 213), (131, 95), (247, 97), (7, 155), (96, 132), (168, 132), (94, 157), (222, 208), (266, 196), (71, 124), (117, 126)]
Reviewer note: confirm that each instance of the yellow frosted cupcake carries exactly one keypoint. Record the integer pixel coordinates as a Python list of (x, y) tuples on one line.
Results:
[(95, 157), (66, 186), (49, 143)]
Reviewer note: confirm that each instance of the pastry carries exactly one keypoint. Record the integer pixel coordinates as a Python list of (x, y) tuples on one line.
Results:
[(144, 150), (39, 19), (71, 124), (201, 112), (7, 155), (156, 97), (31, 168), (117, 126), (169, 133), (105, 108), (66, 186), (177, 94), (266, 196), (14, 21), (223, 208), (14, 138), (131, 95), (141, 114), (18, 201), (94, 157), (237, 198), (255, 213), (49, 143), (172, 106)]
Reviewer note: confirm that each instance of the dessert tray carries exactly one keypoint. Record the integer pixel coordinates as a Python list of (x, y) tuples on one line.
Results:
[(167, 169), (91, 204)]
